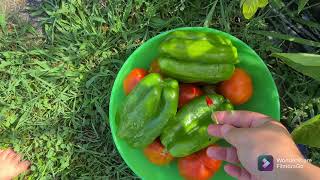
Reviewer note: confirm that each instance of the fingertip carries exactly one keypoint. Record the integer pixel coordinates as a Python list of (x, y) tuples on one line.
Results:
[(7, 153), (27, 163), (12, 156), (215, 153), (23, 166), (232, 170)]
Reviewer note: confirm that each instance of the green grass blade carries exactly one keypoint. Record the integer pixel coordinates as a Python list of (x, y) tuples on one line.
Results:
[(302, 4), (310, 24), (2, 21), (210, 14), (224, 18), (288, 38)]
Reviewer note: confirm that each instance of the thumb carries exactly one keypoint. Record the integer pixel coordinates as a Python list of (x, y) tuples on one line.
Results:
[(234, 136)]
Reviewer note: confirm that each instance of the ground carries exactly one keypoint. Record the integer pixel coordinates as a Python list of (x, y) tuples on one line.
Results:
[(57, 69)]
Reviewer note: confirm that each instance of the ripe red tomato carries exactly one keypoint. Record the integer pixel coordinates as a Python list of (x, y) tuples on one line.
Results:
[(133, 78), (198, 166), (238, 89), (157, 154), (187, 92), (154, 67)]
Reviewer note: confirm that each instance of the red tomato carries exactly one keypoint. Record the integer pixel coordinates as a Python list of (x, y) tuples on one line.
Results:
[(135, 76), (238, 89), (157, 154), (187, 92), (198, 166), (154, 67), (191, 168)]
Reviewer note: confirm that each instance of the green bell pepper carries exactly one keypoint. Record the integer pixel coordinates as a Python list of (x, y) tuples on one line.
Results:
[(199, 47), (187, 132), (190, 72), (197, 35), (147, 109)]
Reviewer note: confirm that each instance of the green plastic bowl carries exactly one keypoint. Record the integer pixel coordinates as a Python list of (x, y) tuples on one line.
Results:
[(265, 100)]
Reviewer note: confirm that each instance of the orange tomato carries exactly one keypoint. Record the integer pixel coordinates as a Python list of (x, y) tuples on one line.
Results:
[(187, 92), (198, 166), (238, 89), (157, 154), (133, 78)]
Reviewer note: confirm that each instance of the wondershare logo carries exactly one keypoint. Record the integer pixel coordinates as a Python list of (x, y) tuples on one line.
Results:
[(265, 163)]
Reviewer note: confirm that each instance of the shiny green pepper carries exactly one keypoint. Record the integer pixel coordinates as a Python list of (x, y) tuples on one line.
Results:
[(147, 109), (197, 35), (187, 132), (199, 47), (191, 72)]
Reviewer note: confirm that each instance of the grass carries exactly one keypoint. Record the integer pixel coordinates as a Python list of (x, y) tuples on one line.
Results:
[(55, 85)]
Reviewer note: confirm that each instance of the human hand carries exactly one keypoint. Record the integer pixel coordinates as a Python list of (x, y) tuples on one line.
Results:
[(11, 164), (251, 135)]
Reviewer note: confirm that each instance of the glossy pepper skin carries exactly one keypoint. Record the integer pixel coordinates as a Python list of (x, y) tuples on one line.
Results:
[(199, 47), (147, 109), (192, 35), (187, 132), (191, 72)]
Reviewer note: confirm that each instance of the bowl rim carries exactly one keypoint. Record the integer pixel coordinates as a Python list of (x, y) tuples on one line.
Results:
[(116, 82)]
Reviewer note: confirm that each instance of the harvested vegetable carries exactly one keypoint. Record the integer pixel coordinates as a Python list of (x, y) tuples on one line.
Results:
[(147, 109), (199, 47), (197, 35), (187, 92), (198, 166), (238, 89), (133, 78), (192, 57), (156, 153), (191, 72), (187, 133)]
